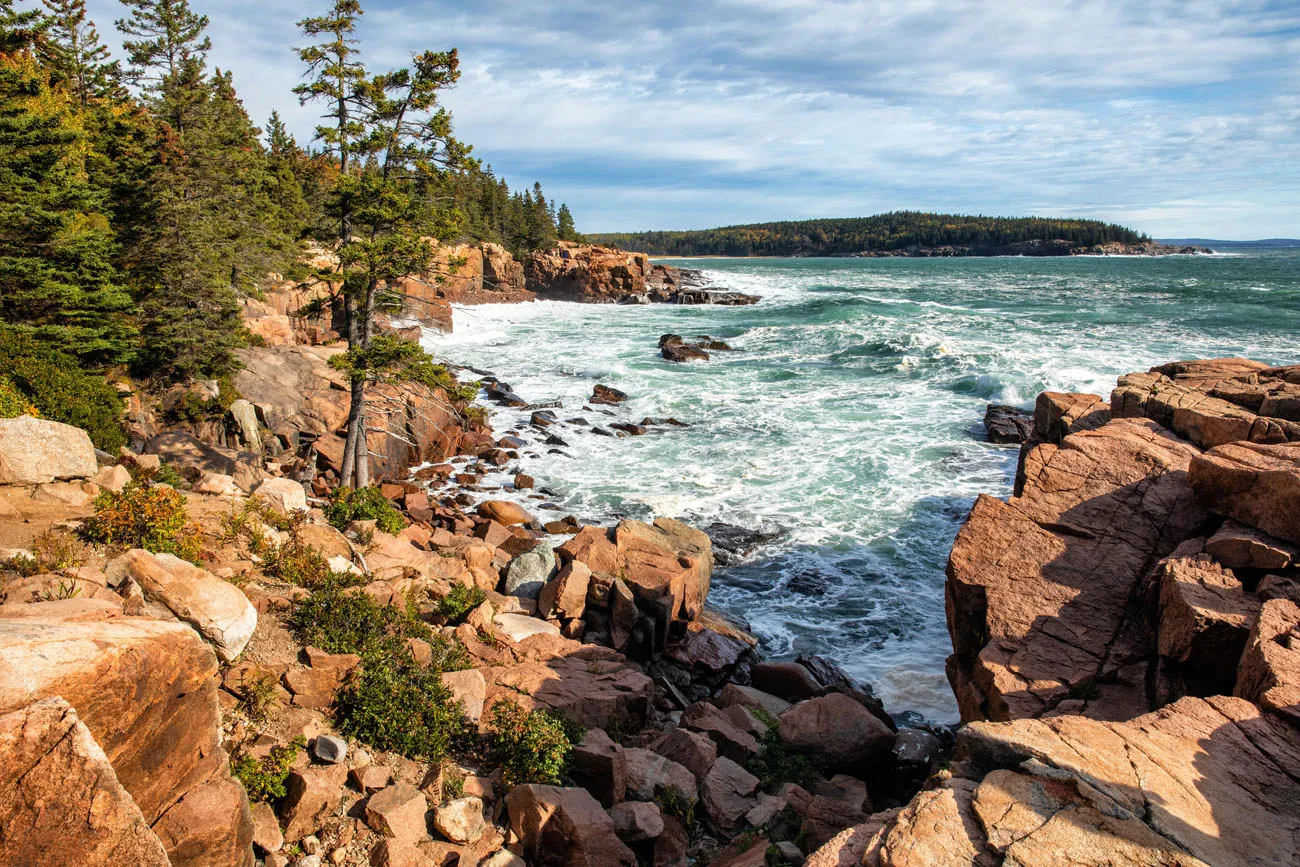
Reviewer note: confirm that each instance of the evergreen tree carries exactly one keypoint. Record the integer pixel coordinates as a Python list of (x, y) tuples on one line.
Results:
[(564, 225), (73, 51), (394, 146), (57, 276), (168, 56)]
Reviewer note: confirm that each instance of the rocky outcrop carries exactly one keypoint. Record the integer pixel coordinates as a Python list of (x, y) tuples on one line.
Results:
[(587, 273), (1041, 588), (60, 801), (1256, 484), (146, 690), (36, 451)]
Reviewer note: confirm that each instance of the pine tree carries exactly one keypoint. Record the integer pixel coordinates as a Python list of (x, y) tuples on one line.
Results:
[(73, 50), (393, 145), (57, 276), (564, 225), (168, 57)]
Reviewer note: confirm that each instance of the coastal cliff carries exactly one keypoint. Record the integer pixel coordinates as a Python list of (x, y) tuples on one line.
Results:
[(1121, 628)]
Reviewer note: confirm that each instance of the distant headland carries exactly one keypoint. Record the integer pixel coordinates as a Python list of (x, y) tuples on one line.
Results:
[(903, 233)]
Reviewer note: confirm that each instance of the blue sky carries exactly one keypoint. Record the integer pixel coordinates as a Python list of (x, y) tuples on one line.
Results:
[(1177, 118)]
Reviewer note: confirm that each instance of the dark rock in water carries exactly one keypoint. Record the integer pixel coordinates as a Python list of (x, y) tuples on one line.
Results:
[(546, 404), (577, 422), (602, 432), (1007, 425), (721, 297), (553, 440), (543, 419), (704, 341), (501, 393), (732, 543), (834, 679), (511, 442), (674, 348), (603, 394), (635, 430)]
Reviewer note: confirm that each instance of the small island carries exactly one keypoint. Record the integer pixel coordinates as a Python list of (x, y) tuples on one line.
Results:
[(903, 233)]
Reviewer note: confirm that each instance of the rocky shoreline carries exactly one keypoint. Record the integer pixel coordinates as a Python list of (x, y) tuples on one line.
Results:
[(1122, 631), (1057, 247)]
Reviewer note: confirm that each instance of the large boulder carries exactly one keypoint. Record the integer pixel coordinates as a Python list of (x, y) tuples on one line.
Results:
[(284, 495), (1256, 484), (590, 685), (1042, 590), (36, 451), (568, 827), (60, 801), (839, 728), (147, 691), (217, 609)]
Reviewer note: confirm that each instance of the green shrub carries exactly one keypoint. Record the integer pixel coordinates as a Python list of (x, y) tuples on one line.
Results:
[(459, 602), (264, 780), (533, 747), (144, 515), (60, 390), (775, 765), (363, 504), (14, 403), (392, 703), (338, 620)]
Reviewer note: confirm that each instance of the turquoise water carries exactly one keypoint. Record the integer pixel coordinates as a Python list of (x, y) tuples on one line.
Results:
[(849, 416)]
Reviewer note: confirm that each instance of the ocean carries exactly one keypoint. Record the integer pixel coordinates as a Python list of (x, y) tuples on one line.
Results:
[(848, 418)]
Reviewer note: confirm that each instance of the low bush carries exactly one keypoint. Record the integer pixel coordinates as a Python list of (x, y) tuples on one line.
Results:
[(775, 765), (14, 403), (339, 620), (459, 602), (532, 746), (363, 504), (51, 551), (54, 383), (392, 703), (144, 515), (264, 779)]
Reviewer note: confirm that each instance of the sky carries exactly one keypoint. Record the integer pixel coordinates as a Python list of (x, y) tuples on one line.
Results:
[(1180, 119)]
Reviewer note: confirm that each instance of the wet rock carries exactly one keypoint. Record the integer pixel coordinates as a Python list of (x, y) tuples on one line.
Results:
[(1008, 425), (564, 826), (673, 348), (731, 543), (607, 396)]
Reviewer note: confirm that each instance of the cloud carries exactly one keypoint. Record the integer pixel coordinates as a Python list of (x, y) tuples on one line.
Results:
[(1180, 117)]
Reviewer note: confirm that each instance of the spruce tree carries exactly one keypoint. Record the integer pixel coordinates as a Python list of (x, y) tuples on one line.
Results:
[(73, 51), (168, 56), (57, 275), (564, 225), (393, 146)]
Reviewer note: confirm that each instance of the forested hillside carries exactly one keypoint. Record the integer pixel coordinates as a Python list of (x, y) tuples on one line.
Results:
[(898, 230), (140, 202)]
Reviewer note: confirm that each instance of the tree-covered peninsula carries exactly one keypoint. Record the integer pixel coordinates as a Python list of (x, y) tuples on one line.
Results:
[(895, 233)]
